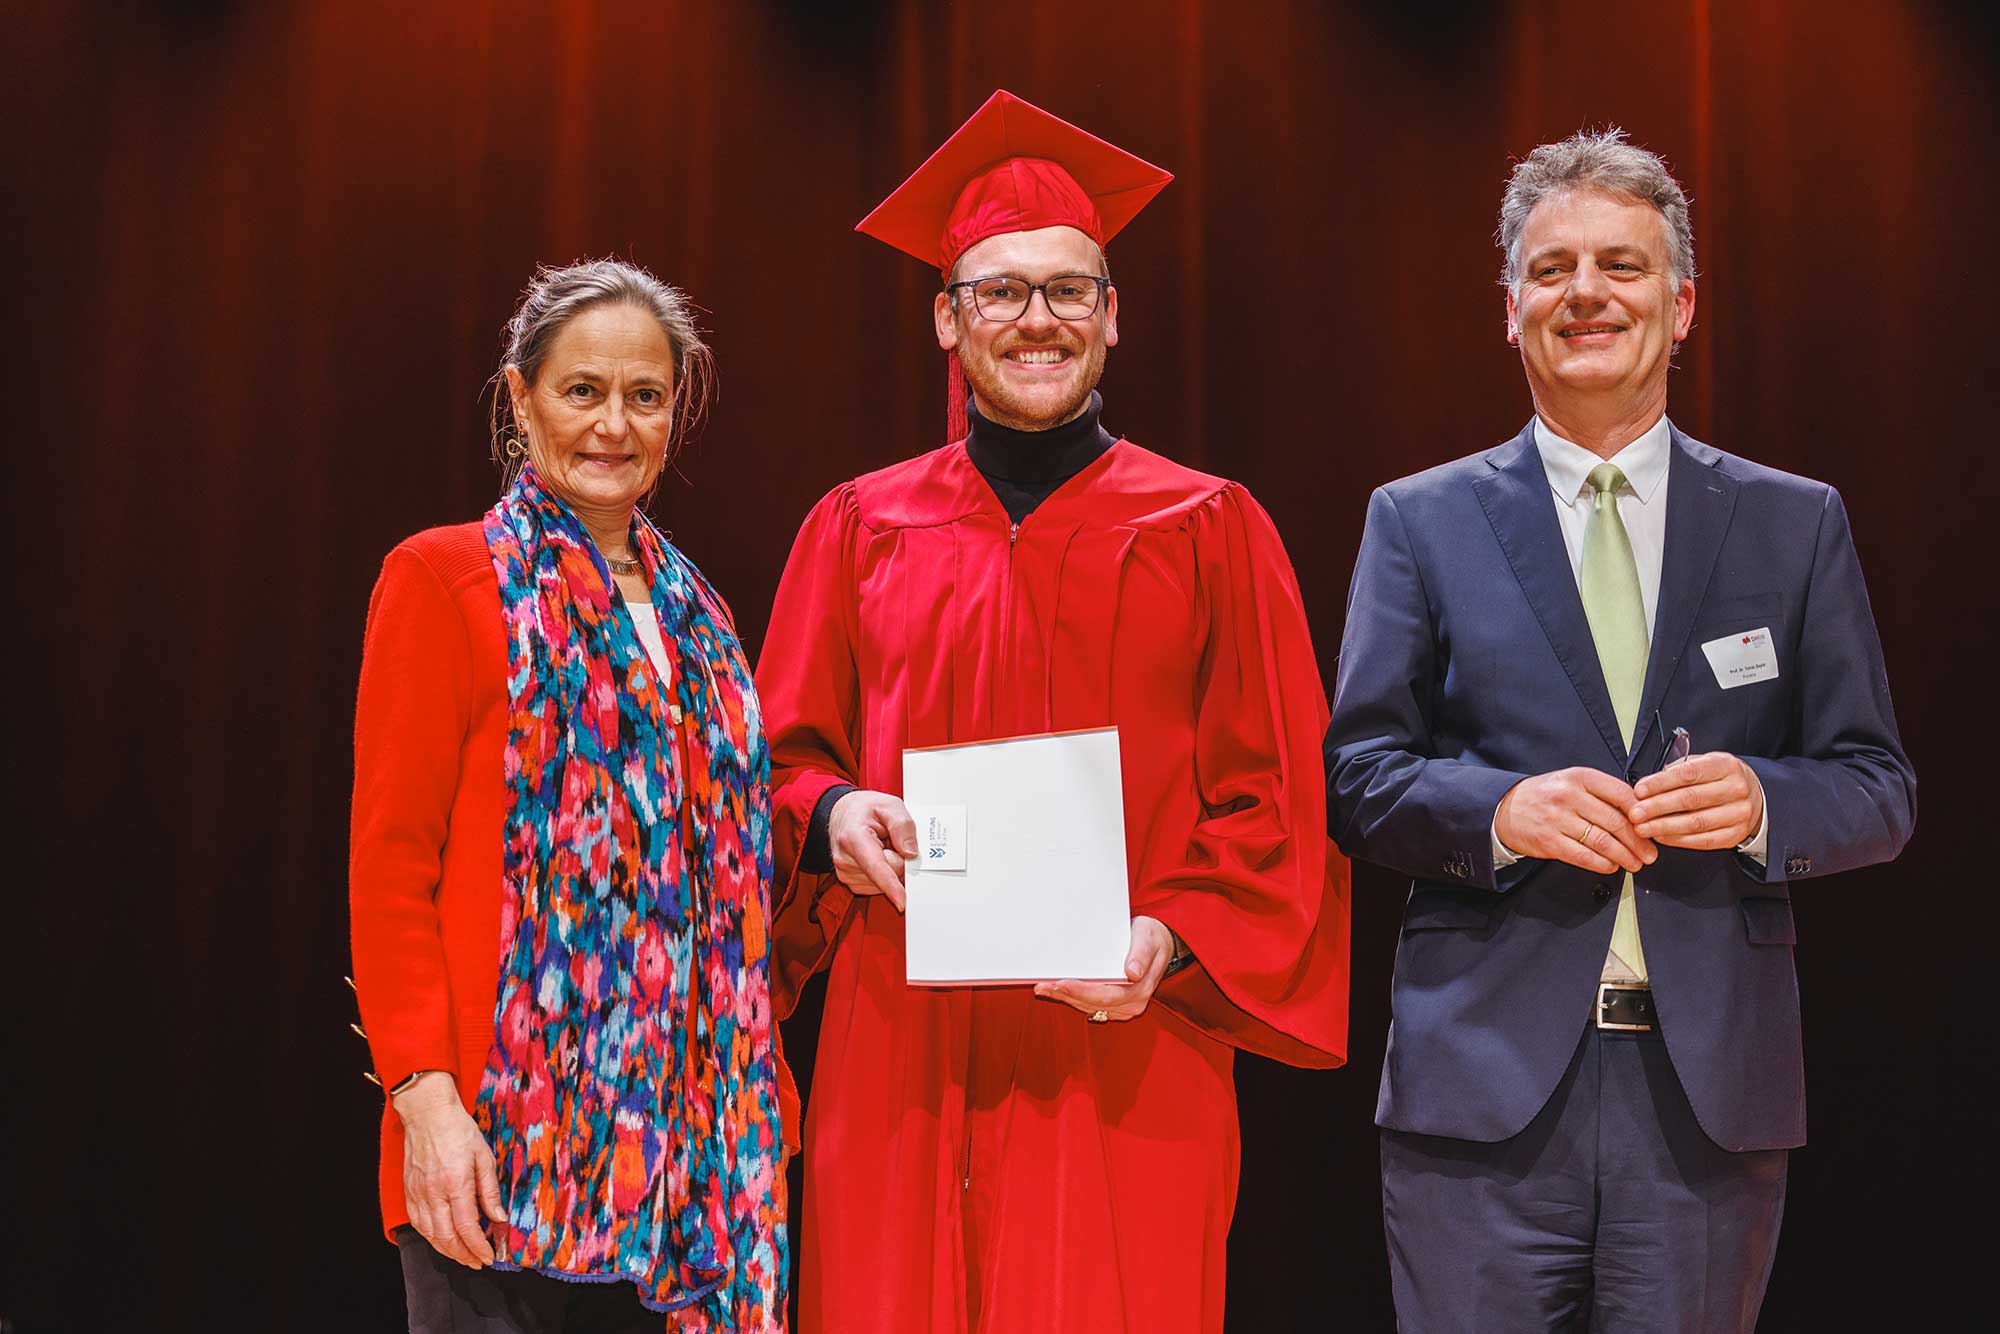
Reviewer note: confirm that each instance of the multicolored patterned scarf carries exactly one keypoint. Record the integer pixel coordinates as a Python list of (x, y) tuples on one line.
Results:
[(631, 1094)]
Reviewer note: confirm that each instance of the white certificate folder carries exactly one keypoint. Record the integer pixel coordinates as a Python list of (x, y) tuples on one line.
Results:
[(1020, 868)]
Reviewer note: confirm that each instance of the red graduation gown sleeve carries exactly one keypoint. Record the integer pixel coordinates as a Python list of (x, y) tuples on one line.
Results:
[(1260, 895), (811, 676)]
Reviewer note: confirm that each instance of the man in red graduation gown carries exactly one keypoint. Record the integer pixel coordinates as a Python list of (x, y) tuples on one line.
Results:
[(1061, 1157)]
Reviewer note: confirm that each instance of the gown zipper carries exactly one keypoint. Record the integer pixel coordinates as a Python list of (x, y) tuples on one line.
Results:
[(1013, 536)]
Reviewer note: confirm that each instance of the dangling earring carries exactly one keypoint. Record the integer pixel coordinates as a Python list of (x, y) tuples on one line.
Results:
[(514, 447)]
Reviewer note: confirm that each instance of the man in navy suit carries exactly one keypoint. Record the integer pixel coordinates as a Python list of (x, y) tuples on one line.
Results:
[(1607, 693)]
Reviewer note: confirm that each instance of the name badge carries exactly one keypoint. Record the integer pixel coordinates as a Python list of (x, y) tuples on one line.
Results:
[(940, 837), (1742, 658)]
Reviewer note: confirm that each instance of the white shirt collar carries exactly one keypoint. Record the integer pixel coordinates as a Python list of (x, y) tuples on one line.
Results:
[(1569, 465)]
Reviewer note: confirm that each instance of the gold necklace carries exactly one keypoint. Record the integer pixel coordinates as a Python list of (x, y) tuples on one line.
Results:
[(623, 566)]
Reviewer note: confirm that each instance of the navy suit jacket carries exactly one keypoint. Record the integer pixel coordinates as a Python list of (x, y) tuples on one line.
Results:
[(1467, 665)]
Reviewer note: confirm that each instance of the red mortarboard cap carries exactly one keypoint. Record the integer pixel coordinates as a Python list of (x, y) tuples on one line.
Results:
[(1013, 168)]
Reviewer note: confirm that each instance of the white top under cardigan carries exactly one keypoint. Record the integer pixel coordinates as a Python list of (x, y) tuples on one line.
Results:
[(647, 622)]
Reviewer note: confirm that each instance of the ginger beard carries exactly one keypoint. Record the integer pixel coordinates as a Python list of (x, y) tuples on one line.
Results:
[(1035, 372)]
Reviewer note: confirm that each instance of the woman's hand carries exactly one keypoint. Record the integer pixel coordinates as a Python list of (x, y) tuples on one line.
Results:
[(448, 1175)]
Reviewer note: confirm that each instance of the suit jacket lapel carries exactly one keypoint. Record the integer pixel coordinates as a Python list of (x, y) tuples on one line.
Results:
[(1700, 499), (1515, 496)]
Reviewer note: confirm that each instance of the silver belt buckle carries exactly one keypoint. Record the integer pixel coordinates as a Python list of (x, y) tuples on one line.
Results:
[(1603, 1023)]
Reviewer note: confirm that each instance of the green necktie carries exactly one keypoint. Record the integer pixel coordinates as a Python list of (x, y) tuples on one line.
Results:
[(1617, 615)]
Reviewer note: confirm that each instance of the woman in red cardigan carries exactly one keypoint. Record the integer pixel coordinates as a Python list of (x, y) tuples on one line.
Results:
[(561, 866)]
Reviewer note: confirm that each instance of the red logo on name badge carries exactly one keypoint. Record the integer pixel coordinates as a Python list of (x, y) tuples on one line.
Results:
[(1746, 639)]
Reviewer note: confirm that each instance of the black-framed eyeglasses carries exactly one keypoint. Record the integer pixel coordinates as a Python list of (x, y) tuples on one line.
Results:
[(1674, 746), (1004, 298)]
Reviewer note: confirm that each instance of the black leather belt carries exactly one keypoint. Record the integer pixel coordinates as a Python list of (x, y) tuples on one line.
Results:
[(1625, 1008)]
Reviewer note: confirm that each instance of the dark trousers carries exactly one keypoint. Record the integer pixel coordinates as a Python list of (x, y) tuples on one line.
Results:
[(447, 1298), (1612, 1212)]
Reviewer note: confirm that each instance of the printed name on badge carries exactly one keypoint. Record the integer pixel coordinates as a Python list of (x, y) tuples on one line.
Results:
[(1742, 658), (940, 837)]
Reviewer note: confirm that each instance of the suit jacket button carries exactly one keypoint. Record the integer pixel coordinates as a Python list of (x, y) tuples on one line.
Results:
[(1601, 893)]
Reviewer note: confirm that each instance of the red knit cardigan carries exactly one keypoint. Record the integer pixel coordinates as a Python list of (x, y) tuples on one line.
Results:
[(430, 803)]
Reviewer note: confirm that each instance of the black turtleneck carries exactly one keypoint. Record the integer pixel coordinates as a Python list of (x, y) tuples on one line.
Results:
[(1025, 467)]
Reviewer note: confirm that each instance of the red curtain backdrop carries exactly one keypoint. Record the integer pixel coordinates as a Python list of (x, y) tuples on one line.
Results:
[(260, 259)]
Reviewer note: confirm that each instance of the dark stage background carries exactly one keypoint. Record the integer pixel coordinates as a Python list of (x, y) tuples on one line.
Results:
[(260, 256)]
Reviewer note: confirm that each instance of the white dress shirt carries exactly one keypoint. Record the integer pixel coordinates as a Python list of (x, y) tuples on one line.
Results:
[(1642, 508)]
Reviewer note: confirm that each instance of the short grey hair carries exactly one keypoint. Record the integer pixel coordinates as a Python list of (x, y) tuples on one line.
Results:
[(557, 295), (1598, 160)]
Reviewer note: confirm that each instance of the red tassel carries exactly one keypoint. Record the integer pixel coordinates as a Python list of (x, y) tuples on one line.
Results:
[(957, 426)]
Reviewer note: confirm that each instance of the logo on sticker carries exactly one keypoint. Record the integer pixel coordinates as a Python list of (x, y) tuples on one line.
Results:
[(940, 837)]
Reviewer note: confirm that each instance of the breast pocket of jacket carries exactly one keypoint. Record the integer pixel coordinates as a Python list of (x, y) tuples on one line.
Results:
[(1741, 665)]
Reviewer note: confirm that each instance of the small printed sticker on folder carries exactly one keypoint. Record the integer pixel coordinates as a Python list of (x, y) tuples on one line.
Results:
[(1741, 658), (940, 837)]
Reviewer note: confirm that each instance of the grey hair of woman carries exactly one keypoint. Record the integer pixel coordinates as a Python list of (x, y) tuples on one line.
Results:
[(558, 295), (1598, 160)]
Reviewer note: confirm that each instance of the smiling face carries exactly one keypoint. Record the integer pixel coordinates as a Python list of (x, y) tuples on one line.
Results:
[(1035, 372), (600, 411), (1596, 311)]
